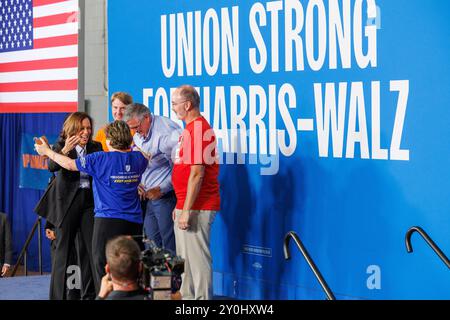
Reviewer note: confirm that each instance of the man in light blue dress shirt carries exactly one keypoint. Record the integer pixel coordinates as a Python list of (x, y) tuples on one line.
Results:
[(157, 136)]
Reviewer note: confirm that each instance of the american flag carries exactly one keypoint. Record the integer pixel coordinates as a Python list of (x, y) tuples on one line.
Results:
[(38, 56)]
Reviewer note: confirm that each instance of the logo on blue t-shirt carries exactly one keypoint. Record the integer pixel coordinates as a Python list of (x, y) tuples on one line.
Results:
[(116, 178)]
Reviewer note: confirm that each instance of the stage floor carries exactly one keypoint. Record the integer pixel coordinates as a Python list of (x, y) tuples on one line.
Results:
[(37, 288), (25, 288)]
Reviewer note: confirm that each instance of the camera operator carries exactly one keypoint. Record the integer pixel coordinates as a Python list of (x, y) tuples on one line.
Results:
[(123, 270)]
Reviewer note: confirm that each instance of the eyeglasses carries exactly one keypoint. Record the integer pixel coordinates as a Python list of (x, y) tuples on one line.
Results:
[(136, 126), (177, 103)]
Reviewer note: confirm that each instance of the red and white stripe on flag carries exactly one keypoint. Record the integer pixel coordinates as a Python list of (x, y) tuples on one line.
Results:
[(45, 78)]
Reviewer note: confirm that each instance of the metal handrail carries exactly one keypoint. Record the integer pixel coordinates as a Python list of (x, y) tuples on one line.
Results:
[(428, 240), (312, 265), (23, 252)]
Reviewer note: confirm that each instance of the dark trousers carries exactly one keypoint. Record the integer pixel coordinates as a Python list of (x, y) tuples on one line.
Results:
[(79, 219), (104, 230), (158, 223), (79, 256), (71, 294), (84, 257)]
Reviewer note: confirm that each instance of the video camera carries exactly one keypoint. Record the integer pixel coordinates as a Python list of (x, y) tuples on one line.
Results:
[(162, 271)]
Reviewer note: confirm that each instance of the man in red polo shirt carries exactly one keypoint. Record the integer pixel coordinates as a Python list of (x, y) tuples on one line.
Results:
[(195, 181)]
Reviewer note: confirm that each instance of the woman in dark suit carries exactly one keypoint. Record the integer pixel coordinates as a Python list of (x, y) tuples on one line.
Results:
[(73, 207), (116, 177)]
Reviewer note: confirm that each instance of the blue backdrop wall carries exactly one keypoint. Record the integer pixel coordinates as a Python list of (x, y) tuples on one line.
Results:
[(353, 97), (16, 202)]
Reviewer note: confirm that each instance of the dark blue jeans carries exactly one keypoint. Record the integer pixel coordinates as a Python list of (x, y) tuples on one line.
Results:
[(158, 223)]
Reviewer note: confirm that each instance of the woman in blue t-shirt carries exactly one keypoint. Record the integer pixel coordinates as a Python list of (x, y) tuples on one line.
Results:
[(116, 176)]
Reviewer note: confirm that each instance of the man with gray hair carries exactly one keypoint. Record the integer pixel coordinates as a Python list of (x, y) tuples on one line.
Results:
[(156, 136)]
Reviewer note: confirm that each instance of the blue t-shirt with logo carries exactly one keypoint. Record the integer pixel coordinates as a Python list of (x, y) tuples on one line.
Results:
[(116, 176)]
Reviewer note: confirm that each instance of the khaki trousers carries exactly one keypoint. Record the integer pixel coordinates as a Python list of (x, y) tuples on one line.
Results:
[(193, 246)]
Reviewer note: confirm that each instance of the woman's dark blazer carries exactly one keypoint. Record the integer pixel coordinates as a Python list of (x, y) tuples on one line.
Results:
[(57, 199)]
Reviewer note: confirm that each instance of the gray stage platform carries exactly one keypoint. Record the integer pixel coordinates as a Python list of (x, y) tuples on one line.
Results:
[(35, 288), (25, 288)]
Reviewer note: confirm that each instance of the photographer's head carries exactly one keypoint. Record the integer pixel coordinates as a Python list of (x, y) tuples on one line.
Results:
[(123, 260)]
